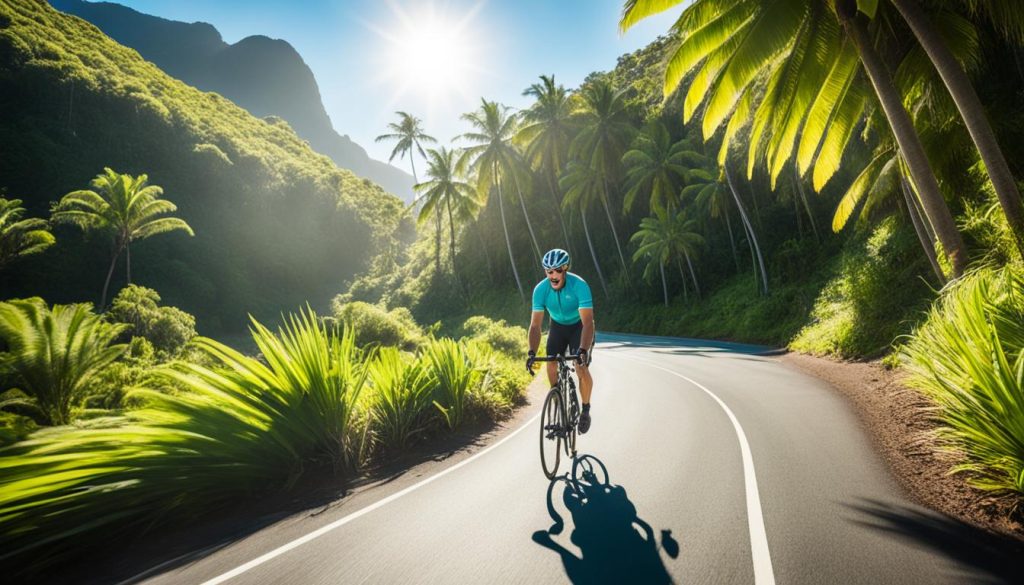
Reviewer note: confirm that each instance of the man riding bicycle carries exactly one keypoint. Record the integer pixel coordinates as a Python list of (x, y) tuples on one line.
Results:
[(567, 298)]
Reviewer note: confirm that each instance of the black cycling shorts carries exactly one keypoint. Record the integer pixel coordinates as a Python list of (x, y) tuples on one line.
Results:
[(562, 337)]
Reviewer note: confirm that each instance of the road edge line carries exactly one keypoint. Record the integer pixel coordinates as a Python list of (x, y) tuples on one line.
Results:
[(761, 556), (358, 513)]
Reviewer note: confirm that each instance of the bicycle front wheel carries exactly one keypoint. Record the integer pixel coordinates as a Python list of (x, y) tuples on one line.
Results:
[(551, 432)]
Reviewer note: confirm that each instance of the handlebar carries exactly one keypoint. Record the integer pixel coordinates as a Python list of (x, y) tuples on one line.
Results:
[(557, 357)]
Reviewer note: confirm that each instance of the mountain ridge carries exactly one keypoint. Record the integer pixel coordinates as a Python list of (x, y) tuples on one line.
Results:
[(265, 76)]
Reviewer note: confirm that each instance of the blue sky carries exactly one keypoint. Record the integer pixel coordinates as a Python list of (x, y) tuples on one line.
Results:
[(434, 59)]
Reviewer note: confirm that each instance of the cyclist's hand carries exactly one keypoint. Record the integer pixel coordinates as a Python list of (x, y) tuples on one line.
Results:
[(584, 358), (530, 360)]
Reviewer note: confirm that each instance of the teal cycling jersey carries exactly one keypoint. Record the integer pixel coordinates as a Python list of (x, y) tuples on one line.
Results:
[(565, 303)]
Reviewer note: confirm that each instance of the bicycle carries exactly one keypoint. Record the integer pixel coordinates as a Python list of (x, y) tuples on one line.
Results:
[(559, 416)]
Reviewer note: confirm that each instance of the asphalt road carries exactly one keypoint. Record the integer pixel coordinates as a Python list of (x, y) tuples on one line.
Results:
[(711, 464)]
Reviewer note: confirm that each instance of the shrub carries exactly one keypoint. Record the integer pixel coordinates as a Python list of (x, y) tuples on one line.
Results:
[(242, 426), (54, 354), (167, 328), (14, 427), (874, 297), (510, 340), (968, 358), (402, 397), (501, 384), (455, 376), (375, 325), (135, 368)]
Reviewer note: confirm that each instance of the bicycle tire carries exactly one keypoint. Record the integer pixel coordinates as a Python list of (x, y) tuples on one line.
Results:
[(572, 405), (551, 430)]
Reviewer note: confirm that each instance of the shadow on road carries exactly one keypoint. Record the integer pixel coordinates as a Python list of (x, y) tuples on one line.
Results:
[(987, 558), (617, 546)]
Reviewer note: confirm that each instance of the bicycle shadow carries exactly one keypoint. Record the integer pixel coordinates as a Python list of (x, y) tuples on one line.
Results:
[(616, 545)]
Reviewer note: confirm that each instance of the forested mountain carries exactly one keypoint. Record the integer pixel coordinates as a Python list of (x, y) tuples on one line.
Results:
[(265, 76), (276, 224)]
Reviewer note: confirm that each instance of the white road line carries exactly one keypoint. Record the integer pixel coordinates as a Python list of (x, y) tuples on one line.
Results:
[(341, 522), (763, 573)]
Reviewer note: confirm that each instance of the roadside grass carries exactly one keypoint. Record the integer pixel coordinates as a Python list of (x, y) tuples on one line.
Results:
[(210, 433), (968, 358)]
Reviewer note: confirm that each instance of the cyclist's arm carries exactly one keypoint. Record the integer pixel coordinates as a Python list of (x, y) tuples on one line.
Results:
[(536, 321), (587, 335)]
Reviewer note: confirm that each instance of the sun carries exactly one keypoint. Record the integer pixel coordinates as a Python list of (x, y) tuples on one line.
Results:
[(429, 52)]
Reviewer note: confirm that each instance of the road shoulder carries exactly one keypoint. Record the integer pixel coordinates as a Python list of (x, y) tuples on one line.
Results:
[(896, 419)]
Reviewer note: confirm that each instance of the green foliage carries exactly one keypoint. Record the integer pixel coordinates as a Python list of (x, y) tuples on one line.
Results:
[(455, 376), (376, 325), (53, 354), (968, 358), (241, 426), (135, 368), (14, 427), (168, 329), (502, 382), (402, 399), (20, 237), (507, 339), (875, 296)]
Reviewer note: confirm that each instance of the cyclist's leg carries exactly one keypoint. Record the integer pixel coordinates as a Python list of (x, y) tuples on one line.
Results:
[(582, 372), (558, 342)]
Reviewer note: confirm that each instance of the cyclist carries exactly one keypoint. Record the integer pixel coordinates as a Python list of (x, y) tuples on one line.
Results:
[(567, 298)]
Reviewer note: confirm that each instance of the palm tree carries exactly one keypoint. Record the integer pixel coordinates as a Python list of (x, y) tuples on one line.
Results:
[(711, 195), (808, 52), (20, 237), (446, 191), (546, 132), (493, 160), (654, 167), (583, 186), (1010, 13), (409, 138), (664, 238), (53, 354), (123, 206), (605, 134)]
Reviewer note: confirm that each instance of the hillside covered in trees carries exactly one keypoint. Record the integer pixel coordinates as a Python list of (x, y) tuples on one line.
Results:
[(265, 76), (276, 224)]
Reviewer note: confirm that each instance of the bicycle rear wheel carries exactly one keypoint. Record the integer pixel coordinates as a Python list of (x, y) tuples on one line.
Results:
[(552, 429)]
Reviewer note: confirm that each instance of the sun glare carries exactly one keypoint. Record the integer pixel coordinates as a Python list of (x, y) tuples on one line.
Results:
[(429, 52)]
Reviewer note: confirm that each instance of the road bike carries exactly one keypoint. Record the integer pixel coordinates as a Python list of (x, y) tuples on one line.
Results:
[(559, 416)]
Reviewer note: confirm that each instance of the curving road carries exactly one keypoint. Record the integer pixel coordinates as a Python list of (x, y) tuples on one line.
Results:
[(712, 463)]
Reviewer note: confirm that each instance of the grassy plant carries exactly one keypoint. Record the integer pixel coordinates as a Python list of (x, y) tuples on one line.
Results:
[(241, 426), (968, 357), (455, 376), (53, 354), (402, 397)]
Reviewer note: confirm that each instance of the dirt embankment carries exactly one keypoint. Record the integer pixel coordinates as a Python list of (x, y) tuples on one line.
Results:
[(898, 422)]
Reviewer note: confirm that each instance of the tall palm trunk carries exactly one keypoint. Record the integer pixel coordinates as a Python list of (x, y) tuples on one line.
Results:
[(922, 234), (693, 275), (508, 241), (750, 229), (451, 227), (110, 273), (807, 205), (590, 244), (966, 99), (437, 240), (128, 261), (732, 239), (611, 222), (664, 286), (682, 277), (529, 226), (558, 208), (483, 246), (906, 137)]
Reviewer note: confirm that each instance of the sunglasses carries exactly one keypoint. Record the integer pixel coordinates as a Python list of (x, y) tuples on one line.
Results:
[(558, 270)]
